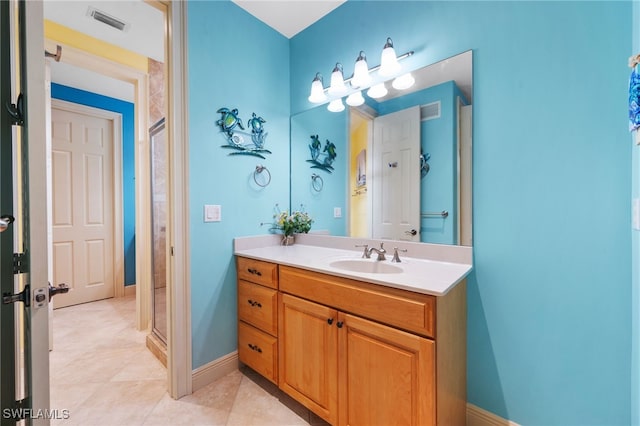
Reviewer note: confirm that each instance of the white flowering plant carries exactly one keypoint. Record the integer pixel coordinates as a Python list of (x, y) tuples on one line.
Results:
[(297, 222)]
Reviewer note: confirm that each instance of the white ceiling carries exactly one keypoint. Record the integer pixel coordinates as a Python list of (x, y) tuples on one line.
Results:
[(145, 33), (288, 17)]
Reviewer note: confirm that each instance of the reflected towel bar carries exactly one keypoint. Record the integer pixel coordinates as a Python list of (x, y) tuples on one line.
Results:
[(441, 214)]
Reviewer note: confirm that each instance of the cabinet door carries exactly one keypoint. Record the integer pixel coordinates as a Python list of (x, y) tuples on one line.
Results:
[(387, 376), (308, 354)]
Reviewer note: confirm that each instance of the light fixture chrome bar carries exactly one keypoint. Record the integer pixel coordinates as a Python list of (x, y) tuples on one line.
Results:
[(376, 68)]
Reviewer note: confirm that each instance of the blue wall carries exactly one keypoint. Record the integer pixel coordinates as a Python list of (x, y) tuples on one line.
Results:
[(238, 62), (319, 204), (94, 100), (549, 318)]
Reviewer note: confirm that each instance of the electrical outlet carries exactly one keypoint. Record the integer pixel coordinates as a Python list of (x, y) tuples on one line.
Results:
[(337, 212)]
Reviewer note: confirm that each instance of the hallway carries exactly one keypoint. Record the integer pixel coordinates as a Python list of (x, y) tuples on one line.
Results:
[(102, 373)]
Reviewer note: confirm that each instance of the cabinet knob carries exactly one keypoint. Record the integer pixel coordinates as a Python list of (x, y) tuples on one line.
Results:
[(254, 348), (330, 321), (340, 324), (254, 303), (254, 272)]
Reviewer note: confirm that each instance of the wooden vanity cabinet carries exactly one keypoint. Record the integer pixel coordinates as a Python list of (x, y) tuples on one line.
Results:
[(357, 353), (258, 316)]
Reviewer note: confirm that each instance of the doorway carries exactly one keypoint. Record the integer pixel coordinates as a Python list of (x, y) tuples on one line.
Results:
[(143, 89)]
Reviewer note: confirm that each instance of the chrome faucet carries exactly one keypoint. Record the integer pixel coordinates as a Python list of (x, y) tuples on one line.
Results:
[(365, 253), (396, 257), (381, 252)]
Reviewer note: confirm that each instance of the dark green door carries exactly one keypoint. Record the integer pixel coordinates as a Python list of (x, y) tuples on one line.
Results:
[(8, 379), (24, 343)]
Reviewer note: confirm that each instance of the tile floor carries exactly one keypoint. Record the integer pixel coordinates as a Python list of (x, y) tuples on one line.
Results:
[(103, 374)]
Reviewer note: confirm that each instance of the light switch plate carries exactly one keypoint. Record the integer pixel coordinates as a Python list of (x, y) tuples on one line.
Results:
[(635, 214), (212, 213), (337, 212)]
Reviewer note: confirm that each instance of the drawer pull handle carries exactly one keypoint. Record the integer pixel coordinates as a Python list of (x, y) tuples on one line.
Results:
[(254, 272), (330, 321), (254, 303), (340, 324), (255, 348)]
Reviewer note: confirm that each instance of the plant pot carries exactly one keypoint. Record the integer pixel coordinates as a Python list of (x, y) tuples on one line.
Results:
[(288, 240)]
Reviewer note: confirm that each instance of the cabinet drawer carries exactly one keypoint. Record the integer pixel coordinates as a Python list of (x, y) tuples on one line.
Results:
[(258, 306), (258, 272), (404, 309), (258, 350)]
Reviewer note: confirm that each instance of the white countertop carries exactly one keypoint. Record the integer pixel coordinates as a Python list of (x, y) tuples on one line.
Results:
[(317, 253)]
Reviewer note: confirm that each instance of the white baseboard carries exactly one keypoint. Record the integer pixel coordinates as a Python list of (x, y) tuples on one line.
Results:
[(214, 370), (476, 416), (129, 290)]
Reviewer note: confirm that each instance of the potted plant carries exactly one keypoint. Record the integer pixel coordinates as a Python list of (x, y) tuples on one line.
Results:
[(289, 224)]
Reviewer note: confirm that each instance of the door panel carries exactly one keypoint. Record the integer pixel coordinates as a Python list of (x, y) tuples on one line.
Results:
[(308, 347), (387, 376), (83, 222), (396, 183), (24, 324)]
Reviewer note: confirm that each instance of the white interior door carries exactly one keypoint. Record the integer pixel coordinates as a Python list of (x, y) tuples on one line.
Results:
[(396, 175), (82, 210)]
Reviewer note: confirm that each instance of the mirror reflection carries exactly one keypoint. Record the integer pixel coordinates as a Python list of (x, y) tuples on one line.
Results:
[(400, 166)]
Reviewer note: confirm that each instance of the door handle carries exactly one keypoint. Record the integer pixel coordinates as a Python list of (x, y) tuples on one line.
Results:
[(5, 221), (413, 232), (59, 289)]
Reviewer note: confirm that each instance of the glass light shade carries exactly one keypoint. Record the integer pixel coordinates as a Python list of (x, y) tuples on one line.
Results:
[(361, 75), (336, 105), (317, 90), (388, 61), (337, 81), (355, 99), (403, 82), (377, 91)]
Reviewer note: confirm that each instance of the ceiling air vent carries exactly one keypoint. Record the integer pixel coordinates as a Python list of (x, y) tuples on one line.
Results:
[(430, 111), (105, 18)]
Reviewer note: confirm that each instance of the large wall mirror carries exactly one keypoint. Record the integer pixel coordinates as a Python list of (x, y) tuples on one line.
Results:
[(397, 167)]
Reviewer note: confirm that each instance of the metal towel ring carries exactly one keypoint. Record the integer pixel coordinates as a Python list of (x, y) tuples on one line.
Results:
[(259, 169), (316, 182)]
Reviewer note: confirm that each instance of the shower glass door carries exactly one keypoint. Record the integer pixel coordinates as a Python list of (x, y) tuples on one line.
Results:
[(159, 197)]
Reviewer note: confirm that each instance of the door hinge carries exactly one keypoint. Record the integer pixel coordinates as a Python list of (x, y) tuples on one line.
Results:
[(24, 296), (19, 411), (20, 263)]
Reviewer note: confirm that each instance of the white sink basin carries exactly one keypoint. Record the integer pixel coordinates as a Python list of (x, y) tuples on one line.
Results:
[(366, 266)]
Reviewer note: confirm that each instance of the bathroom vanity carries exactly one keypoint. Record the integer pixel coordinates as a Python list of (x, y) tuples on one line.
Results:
[(355, 340)]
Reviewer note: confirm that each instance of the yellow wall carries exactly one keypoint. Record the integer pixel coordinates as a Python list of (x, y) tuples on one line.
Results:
[(358, 136), (72, 38)]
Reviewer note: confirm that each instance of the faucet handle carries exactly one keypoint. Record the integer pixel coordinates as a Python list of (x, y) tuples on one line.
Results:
[(396, 258), (365, 254)]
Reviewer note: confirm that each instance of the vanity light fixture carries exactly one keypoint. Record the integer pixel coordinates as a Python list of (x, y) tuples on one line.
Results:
[(355, 99), (361, 77), (317, 90), (377, 91), (337, 81), (403, 82), (388, 61), (336, 105), (360, 80)]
